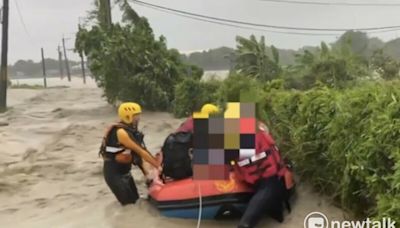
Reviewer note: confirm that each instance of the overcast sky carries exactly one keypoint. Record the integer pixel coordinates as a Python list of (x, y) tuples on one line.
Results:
[(47, 21)]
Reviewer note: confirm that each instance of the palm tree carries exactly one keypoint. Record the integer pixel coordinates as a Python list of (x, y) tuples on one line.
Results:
[(334, 67), (253, 60)]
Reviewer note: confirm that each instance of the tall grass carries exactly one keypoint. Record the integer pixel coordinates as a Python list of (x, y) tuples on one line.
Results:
[(345, 142)]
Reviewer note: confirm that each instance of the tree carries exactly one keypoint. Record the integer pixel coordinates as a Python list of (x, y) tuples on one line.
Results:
[(392, 49), (99, 13), (387, 67), (359, 43), (335, 67), (192, 94), (129, 63), (213, 59), (252, 59)]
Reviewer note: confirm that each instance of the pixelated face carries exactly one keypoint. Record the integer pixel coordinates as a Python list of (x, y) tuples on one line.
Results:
[(219, 140), (135, 120)]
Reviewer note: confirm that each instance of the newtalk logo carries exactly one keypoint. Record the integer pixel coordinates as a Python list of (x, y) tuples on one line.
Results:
[(319, 220)]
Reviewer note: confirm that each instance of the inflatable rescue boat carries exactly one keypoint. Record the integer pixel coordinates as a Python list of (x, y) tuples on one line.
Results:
[(189, 198)]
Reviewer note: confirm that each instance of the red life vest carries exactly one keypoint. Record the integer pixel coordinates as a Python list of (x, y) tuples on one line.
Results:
[(265, 163)]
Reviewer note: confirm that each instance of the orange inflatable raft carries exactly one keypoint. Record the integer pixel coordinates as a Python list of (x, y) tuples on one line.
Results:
[(215, 198)]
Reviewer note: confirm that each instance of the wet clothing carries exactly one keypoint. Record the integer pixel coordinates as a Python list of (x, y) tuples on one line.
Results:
[(113, 147), (120, 181), (134, 141), (119, 143), (267, 173), (268, 199)]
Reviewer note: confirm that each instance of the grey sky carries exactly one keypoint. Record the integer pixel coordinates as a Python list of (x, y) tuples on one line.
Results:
[(48, 20)]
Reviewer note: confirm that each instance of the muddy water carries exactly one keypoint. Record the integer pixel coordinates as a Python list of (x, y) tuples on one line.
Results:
[(50, 175)]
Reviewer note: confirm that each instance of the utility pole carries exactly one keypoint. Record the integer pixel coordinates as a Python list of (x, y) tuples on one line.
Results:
[(60, 62), (4, 58), (83, 68), (44, 70), (66, 60), (108, 9), (82, 57)]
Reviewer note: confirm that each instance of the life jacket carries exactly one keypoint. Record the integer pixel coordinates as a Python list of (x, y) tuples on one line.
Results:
[(266, 162), (110, 147), (260, 166)]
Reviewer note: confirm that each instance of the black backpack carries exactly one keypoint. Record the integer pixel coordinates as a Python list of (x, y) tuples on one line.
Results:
[(177, 163)]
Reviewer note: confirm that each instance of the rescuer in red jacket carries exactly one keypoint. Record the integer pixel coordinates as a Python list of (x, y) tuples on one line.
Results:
[(270, 178)]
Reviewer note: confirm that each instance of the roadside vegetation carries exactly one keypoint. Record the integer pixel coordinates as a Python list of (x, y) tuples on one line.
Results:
[(335, 111)]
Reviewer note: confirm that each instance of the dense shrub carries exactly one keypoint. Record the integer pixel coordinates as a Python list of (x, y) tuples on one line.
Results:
[(191, 94), (346, 143)]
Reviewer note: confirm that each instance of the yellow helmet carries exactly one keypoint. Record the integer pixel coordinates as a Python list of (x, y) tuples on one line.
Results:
[(209, 109), (127, 110), (137, 107)]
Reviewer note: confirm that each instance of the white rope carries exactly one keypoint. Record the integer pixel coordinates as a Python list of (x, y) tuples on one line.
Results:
[(200, 206)]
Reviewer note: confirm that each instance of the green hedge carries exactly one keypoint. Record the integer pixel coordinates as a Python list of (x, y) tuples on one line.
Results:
[(345, 142), (191, 94)]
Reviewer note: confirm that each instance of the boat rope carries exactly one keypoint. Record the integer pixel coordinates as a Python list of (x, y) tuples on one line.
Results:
[(200, 206)]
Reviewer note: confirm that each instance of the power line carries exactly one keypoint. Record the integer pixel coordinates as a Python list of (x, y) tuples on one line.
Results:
[(265, 25), (22, 20), (257, 29), (383, 31), (238, 26), (333, 3)]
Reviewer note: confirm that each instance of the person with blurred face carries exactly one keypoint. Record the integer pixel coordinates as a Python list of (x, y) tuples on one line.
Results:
[(188, 126)]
